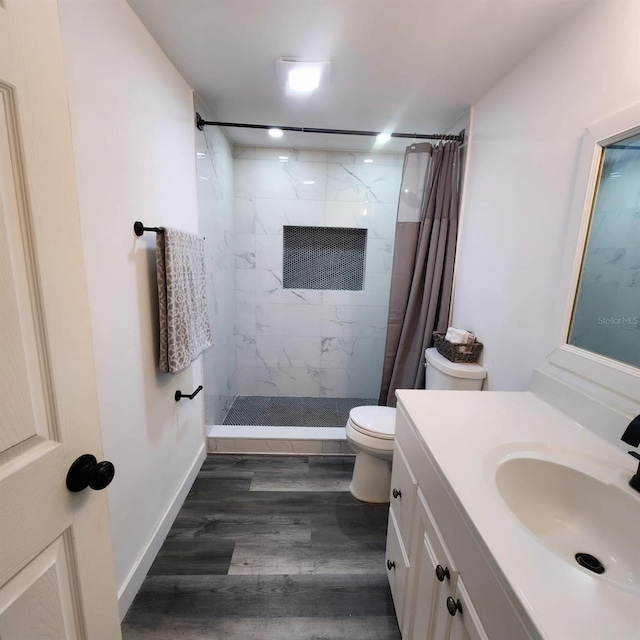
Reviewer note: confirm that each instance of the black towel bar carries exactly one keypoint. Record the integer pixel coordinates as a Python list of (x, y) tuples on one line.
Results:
[(139, 228), (180, 395)]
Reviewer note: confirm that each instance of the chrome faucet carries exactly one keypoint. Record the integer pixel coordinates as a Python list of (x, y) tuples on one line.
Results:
[(631, 436)]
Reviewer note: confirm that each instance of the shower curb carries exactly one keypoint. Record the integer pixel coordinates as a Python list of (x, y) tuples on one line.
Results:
[(279, 440)]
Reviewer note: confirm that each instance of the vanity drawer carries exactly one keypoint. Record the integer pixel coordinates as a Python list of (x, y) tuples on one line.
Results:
[(397, 566), (403, 494)]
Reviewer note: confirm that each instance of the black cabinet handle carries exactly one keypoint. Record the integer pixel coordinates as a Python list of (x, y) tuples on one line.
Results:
[(391, 565), (396, 493), (453, 606), (86, 471), (442, 573), (180, 395)]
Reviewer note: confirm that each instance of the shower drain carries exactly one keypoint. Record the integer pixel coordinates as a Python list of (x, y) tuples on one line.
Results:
[(590, 562)]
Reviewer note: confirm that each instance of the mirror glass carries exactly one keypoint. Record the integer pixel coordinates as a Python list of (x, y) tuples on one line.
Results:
[(606, 314)]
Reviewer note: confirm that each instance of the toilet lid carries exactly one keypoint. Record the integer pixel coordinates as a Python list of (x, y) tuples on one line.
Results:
[(379, 422)]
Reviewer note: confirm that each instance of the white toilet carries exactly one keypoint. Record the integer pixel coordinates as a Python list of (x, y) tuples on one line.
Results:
[(371, 429)]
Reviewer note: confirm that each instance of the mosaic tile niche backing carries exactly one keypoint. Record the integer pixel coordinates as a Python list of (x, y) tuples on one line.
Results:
[(324, 258)]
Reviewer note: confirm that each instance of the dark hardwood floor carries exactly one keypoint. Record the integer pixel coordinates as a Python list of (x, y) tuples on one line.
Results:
[(269, 548)]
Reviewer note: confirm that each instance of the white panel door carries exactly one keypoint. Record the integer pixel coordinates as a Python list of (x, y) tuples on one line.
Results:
[(56, 567)]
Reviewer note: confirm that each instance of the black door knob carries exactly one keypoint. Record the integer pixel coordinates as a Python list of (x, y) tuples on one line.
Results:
[(453, 606), (396, 493), (86, 471), (391, 565), (442, 573)]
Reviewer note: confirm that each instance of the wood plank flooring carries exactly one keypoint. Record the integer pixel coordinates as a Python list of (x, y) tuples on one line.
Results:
[(267, 548)]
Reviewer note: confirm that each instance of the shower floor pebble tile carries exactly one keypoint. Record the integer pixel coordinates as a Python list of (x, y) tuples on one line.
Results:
[(269, 547), (292, 411)]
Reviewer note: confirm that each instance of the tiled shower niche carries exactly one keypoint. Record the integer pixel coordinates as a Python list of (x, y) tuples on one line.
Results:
[(329, 258)]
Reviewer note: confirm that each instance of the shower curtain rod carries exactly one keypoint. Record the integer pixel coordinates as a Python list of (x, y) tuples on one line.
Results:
[(201, 123)]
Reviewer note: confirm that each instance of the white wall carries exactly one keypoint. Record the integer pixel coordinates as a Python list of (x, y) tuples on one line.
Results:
[(214, 158), (132, 124), (302, 342), (517, 239)]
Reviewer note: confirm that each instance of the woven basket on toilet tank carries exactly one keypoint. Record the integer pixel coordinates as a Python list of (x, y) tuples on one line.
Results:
[(457, 352)]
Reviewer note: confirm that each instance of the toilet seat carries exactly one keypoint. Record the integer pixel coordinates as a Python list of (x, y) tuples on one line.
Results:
[(374, 422)]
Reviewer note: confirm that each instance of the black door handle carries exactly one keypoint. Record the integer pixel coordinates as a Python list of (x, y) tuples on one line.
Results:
[(86, 471)]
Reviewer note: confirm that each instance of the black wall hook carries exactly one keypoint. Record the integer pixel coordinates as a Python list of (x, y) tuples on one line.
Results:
[(179, 395)]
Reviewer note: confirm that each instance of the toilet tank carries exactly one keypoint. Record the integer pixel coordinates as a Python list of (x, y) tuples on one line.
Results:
[(446, 375)]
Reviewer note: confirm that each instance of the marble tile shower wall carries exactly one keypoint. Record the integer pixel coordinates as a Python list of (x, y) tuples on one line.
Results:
[(295, 342), (215, 202)]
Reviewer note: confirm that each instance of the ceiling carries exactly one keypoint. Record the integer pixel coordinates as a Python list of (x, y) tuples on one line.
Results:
[(404, 65)]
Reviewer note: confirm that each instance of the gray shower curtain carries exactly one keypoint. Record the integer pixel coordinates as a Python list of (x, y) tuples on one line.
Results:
[(424, 251)]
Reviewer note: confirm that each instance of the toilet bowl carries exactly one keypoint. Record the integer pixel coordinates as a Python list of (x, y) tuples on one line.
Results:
[(371, 434)]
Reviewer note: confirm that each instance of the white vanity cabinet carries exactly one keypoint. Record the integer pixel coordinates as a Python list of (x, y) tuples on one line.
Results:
[(442, 586), (422, 586), (403, 494), (465, 625)]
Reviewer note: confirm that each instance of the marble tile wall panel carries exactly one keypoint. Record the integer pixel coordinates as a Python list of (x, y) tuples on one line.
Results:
[(247, 381), (295, 342), (288, 351), (298, 381), (269, 290), (214, 162), (245, 324), (289, 320), (350, 321)]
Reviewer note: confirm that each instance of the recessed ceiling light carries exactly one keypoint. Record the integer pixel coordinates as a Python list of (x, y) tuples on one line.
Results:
[(367, 160), (201, 155), (275, 133), (308, 182), (304, 80), (283, 158), (383, 137), (302, 77)]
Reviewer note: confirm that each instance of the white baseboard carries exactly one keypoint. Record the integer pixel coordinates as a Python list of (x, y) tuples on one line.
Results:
[(134, 580)]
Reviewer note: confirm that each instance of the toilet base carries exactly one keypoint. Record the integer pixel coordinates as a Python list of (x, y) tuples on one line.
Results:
[(371, 480)]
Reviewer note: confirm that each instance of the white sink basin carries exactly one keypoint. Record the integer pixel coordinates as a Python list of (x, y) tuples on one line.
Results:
[(572, 512)]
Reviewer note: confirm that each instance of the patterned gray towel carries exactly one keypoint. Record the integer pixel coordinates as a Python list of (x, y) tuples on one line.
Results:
[(182, 297)]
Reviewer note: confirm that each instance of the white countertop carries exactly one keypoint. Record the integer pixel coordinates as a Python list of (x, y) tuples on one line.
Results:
[(467, 434)]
